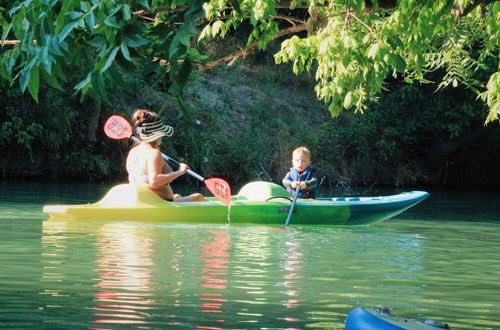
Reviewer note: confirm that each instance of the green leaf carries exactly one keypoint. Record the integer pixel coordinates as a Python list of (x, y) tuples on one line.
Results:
[(236, 6), (183, 34), (110, 59), (374, 50), (26, 24), (34, 83), (184, 72), (360, 6), (135, 41), (125, 52), (216, 27), (58, 72), (206, 32), (111, 22), (66, 30), (25, 79), (51, 80), (74, 15), (348, 100), (11, 62), (98, 84), (399, 63), (90, 21), (46, 59), (98, 42), (126, 12), (128, 66), (6, 30), (61, 17), (85, 82), (15, 9)]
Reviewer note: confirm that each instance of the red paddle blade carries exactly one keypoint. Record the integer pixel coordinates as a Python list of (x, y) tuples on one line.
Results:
[(220, 189), (118, 128)]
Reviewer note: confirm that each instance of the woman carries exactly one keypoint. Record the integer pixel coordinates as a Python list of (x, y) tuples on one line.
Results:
[(145, 163)]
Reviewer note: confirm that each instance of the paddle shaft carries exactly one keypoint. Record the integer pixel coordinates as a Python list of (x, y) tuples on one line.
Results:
[(170, 159), (293, 205)]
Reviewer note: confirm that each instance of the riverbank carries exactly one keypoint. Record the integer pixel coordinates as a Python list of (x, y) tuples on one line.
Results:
[(251, 116)]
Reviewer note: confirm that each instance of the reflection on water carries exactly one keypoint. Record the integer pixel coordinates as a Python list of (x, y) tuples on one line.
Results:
[(291, 265), (227, 277), (63, 274), (214, 270), (124, 269)]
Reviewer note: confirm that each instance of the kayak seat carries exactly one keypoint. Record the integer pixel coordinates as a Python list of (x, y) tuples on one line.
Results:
[(262, 190)]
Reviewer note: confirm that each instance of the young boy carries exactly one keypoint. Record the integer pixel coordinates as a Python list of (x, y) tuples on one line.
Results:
[(301, 174)]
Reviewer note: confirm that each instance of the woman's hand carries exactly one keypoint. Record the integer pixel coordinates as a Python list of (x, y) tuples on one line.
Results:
[(183, 168)]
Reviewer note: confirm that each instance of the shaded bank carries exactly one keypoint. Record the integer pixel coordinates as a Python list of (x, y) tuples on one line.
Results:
[(250, 118)]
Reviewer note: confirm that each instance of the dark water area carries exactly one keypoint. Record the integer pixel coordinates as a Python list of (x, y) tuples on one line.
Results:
[(439, 260)]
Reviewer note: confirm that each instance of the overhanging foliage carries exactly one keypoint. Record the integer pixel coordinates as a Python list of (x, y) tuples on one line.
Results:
[(352, 45)]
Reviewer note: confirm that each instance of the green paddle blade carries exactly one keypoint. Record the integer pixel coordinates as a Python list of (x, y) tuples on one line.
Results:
[(118, 128)]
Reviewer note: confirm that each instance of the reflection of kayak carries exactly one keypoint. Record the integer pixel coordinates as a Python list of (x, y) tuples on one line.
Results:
[(381, 319), (257, 202)]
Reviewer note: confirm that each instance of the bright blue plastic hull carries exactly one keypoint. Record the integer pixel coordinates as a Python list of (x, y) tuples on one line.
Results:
[(380, 319)]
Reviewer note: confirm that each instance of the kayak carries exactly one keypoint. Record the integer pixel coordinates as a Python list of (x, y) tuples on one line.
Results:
[(257, 203), (361, 318)]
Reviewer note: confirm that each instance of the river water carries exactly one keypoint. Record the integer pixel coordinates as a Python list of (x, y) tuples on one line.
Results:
[(439, 260)]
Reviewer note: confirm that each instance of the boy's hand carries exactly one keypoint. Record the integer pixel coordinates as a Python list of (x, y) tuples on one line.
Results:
[(294, 184)]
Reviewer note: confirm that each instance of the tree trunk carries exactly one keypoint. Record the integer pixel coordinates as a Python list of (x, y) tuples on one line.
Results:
[(94, 122)]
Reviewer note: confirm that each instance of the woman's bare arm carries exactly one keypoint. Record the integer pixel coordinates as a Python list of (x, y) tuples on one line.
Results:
[(155, 168)]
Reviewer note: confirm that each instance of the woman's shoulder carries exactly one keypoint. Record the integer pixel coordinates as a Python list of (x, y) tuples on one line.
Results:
[(153, 153)]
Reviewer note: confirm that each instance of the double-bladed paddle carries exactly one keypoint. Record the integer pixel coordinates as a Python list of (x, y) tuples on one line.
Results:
[(118, 128), (293, 205)]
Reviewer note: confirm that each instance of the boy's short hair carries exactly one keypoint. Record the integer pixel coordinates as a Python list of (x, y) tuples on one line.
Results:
[(302, 151)]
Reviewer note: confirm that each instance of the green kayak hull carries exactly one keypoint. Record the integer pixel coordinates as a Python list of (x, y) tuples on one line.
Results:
[(256, 203)]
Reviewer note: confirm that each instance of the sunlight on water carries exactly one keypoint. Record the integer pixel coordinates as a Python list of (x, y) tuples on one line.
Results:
[(66, 274)]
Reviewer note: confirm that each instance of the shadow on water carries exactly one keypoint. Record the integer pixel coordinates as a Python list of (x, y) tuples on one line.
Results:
[(442, 205)]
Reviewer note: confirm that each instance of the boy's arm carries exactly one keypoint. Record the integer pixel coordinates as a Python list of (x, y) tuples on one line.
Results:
[(312, 182), (287, 181)]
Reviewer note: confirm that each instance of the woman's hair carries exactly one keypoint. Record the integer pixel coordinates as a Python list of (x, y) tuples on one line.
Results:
[(141, 115)]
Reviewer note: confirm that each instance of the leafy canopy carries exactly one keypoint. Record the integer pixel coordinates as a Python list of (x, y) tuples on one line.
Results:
[(352, 45)]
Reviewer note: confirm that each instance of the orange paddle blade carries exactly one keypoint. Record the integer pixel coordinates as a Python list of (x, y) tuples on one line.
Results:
[(118, 128), (220, 189)]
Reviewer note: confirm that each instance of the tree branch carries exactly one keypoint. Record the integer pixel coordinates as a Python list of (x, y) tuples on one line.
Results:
[(231, 58), (470, 7), (158, 10), (9, 42)]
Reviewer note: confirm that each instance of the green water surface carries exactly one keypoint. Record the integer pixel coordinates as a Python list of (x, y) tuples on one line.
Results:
[(439, 260)]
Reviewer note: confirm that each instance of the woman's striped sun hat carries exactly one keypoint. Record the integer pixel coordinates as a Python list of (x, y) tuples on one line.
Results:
[(154, 130)]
